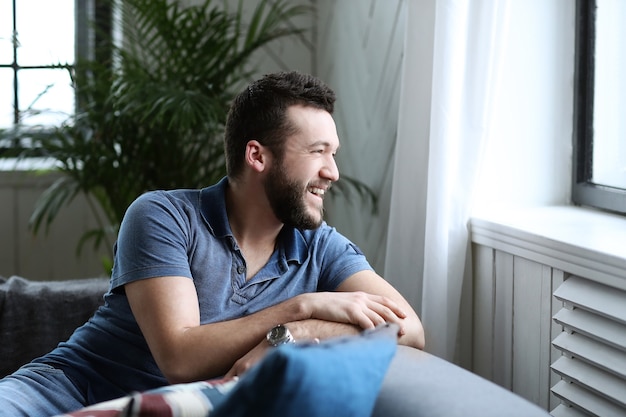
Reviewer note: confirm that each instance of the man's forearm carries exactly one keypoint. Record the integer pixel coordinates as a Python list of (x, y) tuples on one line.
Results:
[(302, 331), (311, 329)]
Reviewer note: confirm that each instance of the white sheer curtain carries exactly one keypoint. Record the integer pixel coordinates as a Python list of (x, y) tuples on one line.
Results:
[(452, 55)]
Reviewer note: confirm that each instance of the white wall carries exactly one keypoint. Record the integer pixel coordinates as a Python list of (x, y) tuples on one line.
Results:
[(49, 256)]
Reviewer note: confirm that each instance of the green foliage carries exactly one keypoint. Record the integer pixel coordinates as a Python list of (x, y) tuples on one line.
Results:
[(153, 116)]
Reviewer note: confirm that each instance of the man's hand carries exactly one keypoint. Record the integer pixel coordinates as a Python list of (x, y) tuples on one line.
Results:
[(412, 331), (357, 308), (249, 359)]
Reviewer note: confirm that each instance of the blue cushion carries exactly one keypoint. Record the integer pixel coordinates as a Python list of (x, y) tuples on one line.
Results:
[(338, 377)]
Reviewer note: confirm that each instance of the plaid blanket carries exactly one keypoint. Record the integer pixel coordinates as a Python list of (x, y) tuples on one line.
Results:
[(196, 399)]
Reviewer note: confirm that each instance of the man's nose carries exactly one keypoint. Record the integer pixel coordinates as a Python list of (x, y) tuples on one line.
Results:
[(330, 170)]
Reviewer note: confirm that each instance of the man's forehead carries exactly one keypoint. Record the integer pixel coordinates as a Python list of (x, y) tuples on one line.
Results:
[(314, 126), (312, 142)]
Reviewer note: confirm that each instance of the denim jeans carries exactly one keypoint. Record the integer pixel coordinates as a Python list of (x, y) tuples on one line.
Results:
[(38, 390)]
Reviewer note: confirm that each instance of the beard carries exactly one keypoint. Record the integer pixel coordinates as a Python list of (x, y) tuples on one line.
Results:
[(287, 199)]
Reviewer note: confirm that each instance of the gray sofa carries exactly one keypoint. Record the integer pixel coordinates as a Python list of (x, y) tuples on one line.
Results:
[(35, 316)]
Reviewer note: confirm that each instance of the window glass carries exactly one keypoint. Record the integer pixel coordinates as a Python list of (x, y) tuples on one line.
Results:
[(45, 32), (46, 96), (44, 39), (599, 158), (609, 125), (6, 92), (6, 25)]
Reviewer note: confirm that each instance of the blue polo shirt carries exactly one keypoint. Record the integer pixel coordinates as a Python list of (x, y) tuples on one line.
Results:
[(186, 233)]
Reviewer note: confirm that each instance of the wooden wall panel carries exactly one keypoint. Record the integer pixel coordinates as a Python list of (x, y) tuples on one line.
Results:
[(526, 328), (49, 256), (484, 310), (503, 319), (512, 326)]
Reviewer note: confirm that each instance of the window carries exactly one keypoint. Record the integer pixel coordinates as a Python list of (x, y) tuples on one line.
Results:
[(36, 48), (39, 43), (600, 100)]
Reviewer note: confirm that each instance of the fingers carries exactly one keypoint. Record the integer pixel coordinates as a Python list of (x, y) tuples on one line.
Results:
[(380, 310), (246, 362), (359, 308), (390, 308), (239, 368), (379, 315)]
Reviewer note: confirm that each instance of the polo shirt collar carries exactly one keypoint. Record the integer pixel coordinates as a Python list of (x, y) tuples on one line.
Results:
[(291, 241), (213, 208)]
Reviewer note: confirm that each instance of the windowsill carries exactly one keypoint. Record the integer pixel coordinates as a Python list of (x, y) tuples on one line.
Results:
[(27, 164), (28, 172), (580, 241)]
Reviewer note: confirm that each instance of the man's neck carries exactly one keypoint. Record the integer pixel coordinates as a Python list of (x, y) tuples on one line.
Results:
[(251, 218)]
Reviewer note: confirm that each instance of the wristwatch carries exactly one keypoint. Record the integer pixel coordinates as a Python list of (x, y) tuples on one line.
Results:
[(279, 335)]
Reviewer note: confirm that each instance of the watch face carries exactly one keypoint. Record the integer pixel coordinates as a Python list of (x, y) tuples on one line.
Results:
[(278, 334)]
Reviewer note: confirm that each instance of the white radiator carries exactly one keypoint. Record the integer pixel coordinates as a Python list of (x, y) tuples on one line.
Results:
[(592, 366)]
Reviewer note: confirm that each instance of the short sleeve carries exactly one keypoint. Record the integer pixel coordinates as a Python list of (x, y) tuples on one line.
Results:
[(341, 259), (153, 240)]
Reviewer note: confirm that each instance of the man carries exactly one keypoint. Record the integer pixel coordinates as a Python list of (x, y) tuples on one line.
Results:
[(206, 281)]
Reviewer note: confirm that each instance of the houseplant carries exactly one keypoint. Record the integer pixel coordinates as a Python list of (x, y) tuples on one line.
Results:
[(151, 112)]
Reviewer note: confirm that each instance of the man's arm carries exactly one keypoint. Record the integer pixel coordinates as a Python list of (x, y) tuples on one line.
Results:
[(166, 309), (372, 290), (411, 329)]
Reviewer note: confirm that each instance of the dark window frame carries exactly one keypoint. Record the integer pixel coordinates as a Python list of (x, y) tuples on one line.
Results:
[(17, 67), (584, 191), (89, 44)]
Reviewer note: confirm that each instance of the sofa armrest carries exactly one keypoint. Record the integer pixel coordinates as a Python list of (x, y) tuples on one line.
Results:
[(420, 384)]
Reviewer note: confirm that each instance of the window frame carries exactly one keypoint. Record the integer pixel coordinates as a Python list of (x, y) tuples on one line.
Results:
[(88, 44), (584, 191), (80, 24)]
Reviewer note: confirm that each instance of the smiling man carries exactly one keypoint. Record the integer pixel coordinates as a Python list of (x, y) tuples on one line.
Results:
[(299, 202), (206, 281)]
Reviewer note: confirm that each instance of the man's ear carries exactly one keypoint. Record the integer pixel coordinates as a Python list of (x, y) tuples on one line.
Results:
[(256, 156)]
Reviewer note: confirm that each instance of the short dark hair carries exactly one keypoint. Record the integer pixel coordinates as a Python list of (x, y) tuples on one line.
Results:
[(259, 112)]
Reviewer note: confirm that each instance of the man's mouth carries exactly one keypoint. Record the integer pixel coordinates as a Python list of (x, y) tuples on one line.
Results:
[(317, 191)]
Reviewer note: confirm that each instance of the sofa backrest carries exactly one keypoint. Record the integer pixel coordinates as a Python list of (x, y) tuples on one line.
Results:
[(35, 316)]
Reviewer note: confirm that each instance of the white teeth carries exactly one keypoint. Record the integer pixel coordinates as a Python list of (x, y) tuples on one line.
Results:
[(317, 191)]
